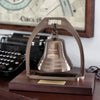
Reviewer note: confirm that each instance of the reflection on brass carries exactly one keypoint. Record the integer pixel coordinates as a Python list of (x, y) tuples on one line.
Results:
[(55, 58), (51, 82)]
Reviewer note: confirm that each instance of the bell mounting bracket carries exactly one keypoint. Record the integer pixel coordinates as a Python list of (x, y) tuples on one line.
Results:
[(61, 23)]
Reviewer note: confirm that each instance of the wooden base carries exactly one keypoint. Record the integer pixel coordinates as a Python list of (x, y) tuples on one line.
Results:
[(83, 87)]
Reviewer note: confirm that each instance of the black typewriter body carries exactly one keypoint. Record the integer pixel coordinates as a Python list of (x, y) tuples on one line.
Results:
[(12, 53)]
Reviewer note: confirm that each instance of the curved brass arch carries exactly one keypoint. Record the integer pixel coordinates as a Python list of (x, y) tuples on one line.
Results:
[(64, 25)]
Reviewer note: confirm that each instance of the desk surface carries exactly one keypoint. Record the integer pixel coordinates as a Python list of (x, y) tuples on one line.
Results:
[(53, 96)]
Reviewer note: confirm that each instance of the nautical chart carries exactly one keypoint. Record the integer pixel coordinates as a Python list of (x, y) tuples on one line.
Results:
[(31, 12)]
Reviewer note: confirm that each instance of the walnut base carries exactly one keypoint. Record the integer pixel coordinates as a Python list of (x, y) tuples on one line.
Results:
[(83, 87)]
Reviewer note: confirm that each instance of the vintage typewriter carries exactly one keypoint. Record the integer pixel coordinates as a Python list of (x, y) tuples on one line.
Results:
[(12, 53)]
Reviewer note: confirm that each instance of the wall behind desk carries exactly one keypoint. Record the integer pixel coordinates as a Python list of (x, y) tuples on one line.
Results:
[(91, 45)]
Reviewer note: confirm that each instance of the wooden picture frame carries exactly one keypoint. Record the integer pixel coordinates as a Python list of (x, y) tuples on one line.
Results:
[(89, 23)]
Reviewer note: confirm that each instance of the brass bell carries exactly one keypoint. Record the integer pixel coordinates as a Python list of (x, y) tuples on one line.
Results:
[(55, 58), (55, 61)]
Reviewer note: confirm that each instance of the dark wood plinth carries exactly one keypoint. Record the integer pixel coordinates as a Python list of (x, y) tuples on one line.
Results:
[(23, 83)]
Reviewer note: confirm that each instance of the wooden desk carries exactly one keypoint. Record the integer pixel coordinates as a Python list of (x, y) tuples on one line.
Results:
[(53, 96)]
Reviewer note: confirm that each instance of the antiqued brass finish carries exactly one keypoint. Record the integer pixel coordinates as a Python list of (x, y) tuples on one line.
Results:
[(55, 59)]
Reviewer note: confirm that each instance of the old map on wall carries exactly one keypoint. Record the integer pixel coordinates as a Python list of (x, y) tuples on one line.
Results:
[(31, 12)]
